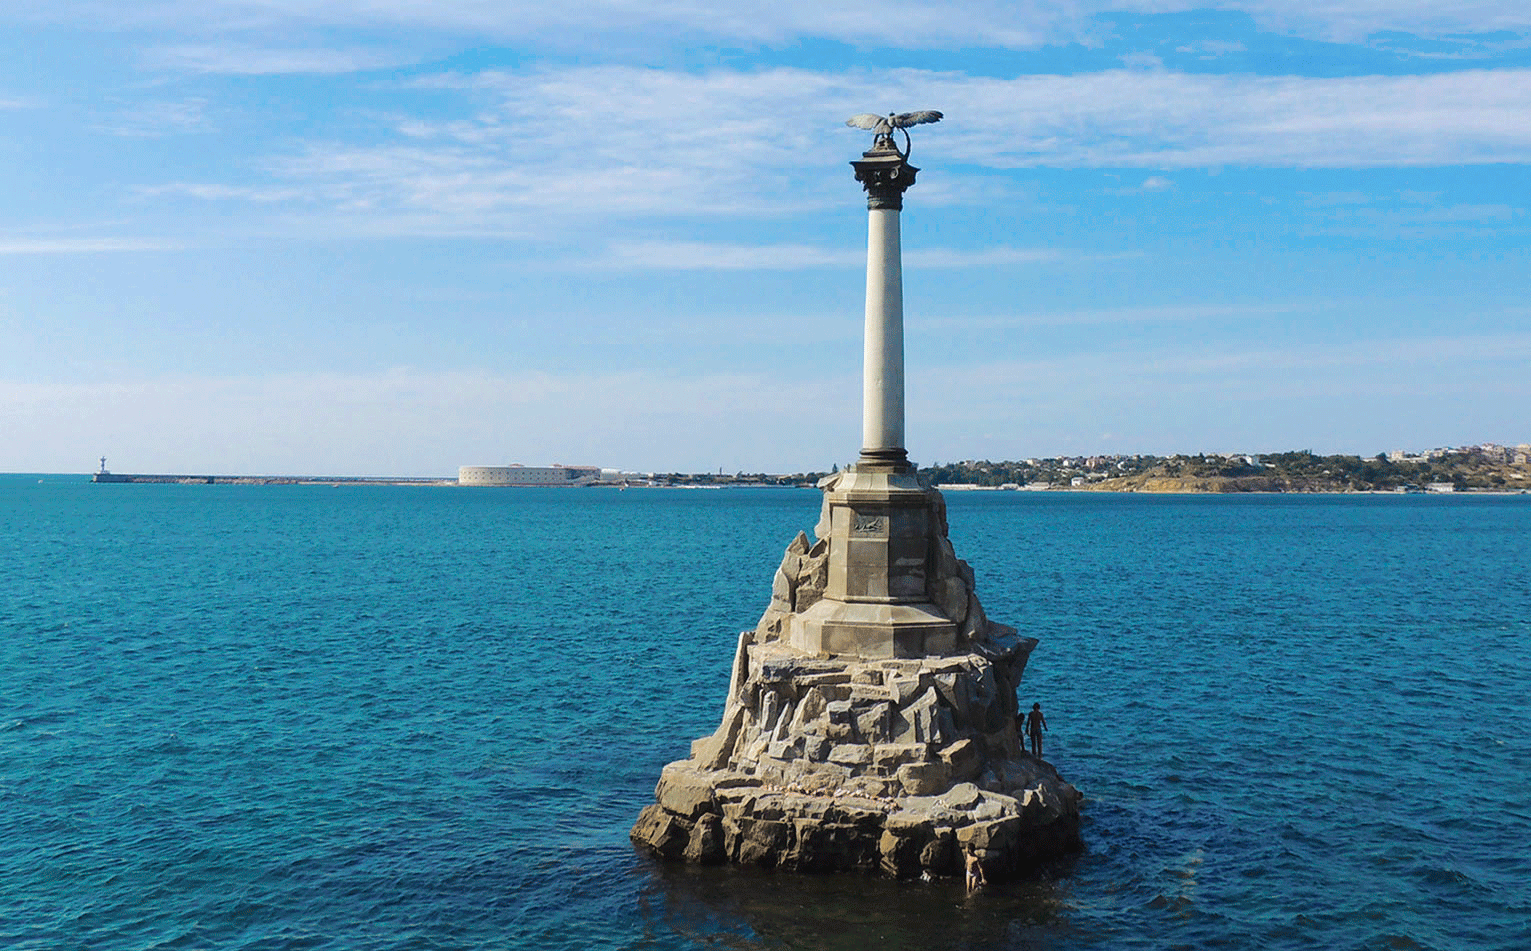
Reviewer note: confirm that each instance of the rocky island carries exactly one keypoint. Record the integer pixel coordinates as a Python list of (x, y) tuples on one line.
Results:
[(870, 718), (897, 763)]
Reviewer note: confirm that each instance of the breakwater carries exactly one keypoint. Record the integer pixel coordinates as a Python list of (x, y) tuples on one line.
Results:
[(164, 479)]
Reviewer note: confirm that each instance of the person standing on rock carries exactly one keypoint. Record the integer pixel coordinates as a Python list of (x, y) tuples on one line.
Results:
[(1035, 724)]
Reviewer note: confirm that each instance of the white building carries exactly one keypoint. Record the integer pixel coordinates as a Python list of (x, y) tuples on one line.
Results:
[(527, 475)]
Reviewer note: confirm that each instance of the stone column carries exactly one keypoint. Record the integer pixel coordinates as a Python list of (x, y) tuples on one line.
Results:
[(886, 175)]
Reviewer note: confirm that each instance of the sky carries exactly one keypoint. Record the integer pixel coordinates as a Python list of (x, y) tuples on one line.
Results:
[(393, 237)]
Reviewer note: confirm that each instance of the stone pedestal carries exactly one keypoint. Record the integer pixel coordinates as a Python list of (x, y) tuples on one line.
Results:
[(879, 523)]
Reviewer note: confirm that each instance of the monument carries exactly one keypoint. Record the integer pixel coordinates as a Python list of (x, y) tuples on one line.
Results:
[(870, 721)]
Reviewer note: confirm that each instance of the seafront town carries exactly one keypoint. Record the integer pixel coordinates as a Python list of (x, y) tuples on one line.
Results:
[(1484, 467)]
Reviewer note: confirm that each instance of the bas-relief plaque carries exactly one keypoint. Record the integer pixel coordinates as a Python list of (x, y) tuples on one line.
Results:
[(869, 524)]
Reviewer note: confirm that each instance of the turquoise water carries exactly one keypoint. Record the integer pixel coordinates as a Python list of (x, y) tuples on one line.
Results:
[(383, 718)]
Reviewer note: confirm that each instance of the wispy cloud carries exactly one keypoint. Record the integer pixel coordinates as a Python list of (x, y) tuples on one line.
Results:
[(1153, 183), (1175, 120), (1411, 215), (248, 60), (10, 246), (1119, 316), (150, 120), (620, 142)]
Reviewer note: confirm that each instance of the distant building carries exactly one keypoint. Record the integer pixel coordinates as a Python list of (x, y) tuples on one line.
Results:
[(527, 475)]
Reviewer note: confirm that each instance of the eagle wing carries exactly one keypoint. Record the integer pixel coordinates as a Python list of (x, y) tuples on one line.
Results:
[(866, 120), (906, 119)]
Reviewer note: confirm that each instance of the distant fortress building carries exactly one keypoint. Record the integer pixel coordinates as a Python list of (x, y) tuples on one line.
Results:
[(530, 475)]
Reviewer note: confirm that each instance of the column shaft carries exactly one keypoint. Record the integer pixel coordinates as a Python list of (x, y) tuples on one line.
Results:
[(882, 417)]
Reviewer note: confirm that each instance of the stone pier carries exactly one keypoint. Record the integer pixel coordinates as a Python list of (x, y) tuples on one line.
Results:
[(870, 719)]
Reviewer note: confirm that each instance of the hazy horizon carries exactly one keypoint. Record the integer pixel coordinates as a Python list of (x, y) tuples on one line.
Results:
[(922, 463)]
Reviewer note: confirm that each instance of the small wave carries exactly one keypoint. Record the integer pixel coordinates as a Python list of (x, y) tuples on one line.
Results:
[(172, 744)]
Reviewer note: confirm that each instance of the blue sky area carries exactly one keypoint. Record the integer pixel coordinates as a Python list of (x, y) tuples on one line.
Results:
[(399, 236)]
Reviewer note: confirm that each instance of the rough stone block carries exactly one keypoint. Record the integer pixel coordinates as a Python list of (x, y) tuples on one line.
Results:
[(888, 756), (939, 855), (996, 835), (862, 694), (945, 560), (951, 687), (924, 779), (772, 625), (660, 832), (770, 709), (994, 806), (839, 711), (810, 709), (950, 595), (944, 729), (975, 626), (782, 590), (799, 545), (964, 759), (738, 673), (903, 687), (685, 791), (705, 846), (851, 754), (874, 722), (785, 749)]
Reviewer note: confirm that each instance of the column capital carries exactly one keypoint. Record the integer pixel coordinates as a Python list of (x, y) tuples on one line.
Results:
[(885, 174)]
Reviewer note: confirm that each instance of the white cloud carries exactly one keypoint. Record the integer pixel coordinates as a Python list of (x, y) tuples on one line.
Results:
[(239, 59), (149, 120), (1117, 316), (84, 245), (1175, 120), (211, 192), (618, 142)]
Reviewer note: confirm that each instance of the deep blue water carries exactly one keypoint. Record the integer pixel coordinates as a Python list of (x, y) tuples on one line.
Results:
[(379, 718)]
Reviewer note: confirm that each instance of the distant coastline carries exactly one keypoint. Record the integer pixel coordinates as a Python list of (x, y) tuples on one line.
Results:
[(1483, 468)]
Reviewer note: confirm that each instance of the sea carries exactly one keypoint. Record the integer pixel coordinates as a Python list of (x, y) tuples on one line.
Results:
[(407, 717)]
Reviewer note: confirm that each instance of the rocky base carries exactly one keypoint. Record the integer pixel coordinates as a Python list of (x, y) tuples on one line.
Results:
[(723, 816), (896, 765), (871, 713)]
